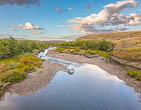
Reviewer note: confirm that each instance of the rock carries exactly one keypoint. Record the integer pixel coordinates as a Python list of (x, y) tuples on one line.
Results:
[(70, 71), (91, 56)]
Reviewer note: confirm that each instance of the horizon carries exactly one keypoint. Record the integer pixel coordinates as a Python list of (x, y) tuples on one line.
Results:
[(67, 20)]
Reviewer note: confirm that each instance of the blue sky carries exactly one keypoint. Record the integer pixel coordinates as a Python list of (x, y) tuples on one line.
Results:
[(48, 19)]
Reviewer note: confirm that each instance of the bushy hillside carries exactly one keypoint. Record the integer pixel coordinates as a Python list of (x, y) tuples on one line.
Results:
[(127, 44)]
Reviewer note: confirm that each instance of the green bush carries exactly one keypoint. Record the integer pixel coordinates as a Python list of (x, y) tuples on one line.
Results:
[(98, 52), (12, 76), (11, 47), (1, 92), (76, 51), (102, 45), (135, 74), (15, 69), (29, 69), (60, 50), (91, 52), (103, 53)]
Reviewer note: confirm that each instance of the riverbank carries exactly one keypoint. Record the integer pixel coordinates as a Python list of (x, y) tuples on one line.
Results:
[(37, 80), (112, 68)]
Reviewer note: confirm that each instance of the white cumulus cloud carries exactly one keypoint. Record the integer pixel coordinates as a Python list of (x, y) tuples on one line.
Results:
[(110, 15), (28, 26)]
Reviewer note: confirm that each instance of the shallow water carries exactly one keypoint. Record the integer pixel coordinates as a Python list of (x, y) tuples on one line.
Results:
[(88, 88)]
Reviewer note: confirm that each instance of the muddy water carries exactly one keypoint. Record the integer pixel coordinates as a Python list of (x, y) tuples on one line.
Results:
[(88, 88)]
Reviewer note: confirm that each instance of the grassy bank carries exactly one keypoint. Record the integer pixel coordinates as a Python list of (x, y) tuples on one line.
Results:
[(17, 59), (87, 48)]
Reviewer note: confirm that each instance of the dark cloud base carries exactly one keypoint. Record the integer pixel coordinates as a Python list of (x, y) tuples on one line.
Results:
[(20, 2)]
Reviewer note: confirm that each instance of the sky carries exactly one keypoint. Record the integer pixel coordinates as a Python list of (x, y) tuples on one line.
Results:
[(67, 19)]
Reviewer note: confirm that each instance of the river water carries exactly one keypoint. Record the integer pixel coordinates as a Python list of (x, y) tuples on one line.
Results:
[(88, 88)]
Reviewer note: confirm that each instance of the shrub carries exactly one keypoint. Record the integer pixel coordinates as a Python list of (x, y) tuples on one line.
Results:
[(29, 69), (1, 92), (11, 47), (135, 74), (102, 45), (60, 50), (15, 69), (91, 52), (12, 76), (130, 54), (76, 51), (103, 53), (105, 45), (98, 52)]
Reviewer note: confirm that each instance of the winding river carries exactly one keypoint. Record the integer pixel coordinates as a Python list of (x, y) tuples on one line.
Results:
[(88, 88)]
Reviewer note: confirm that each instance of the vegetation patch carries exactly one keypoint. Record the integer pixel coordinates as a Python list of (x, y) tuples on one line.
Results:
[(11, 47), (17, 59), (102, 45), (130, 54), (135, 74), (60, 50), (15, 70), (91, 47)]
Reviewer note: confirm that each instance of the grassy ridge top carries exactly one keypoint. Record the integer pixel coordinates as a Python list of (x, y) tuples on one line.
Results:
[(113, 36)]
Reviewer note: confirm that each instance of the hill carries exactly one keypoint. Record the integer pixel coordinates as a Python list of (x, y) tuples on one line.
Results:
[(113, 36)]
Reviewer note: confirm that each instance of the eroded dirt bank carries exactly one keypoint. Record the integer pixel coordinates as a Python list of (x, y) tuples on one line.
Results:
[(112, 68), (37, 80)]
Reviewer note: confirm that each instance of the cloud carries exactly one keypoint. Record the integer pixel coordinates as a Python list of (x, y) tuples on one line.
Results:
[(3, 36), (110, 15), (90, 29), (90, 6), (61, 26), (13, 28), (6, 35), (28, 26), (70, 9), (58, 10), (20, 2), (37, 32)]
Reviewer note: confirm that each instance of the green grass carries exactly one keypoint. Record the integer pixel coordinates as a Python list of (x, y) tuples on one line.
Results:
[(135, 74), (60, 50), (98, 52), (1, 92)]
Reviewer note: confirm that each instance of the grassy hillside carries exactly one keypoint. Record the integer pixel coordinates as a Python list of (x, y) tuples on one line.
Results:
[(114, 36), (127, 44)]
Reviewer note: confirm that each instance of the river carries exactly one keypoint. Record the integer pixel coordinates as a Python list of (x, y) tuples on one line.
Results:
[(88, 88)]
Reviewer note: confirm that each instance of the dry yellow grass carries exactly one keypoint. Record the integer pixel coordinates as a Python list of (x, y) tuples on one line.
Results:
[(130, 54), (113, 36)]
